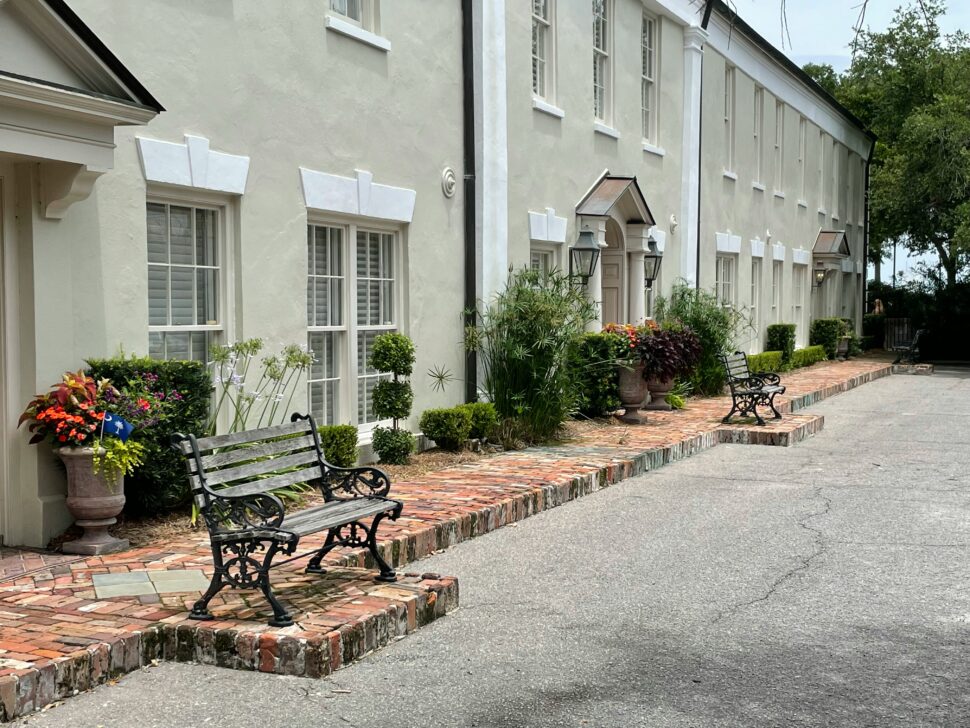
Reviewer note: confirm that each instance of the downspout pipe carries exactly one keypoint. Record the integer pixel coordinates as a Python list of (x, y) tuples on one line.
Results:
[(468, 110), (865, 232)]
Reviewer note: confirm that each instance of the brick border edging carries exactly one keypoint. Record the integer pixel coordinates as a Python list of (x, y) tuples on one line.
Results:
[(300, 654)]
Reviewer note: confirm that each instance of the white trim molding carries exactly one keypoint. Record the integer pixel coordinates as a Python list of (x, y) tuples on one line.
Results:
[(757, 248), (728, 243), (778, 251), (357, 33), (600, 128), (192, 164), (547, 108), (801, 257), (659, 151), (860, 267), (545, 227), (359, 197), (848, 266), (659, 236)]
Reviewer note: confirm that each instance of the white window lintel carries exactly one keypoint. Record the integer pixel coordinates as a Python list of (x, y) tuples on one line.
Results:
[(728, 243), (192, 164), (546, 227), (359, 197)]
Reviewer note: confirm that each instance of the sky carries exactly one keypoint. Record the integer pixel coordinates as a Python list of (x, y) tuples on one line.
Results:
[(820, 31)]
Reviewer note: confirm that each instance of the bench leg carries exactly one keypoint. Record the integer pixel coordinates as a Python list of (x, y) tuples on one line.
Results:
[(734, 408), (313, 566), (242, 570), (200, 610), (387, 573), (771, 403)]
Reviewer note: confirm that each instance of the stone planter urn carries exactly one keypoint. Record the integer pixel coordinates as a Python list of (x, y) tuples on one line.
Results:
[(842, 348), (94, 503), (633, 390), (659, 389)]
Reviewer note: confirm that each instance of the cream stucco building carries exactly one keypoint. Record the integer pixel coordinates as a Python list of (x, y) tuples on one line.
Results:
[(320, 171)]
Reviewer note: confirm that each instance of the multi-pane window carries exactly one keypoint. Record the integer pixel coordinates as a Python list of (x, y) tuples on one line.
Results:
[(729, 118), (542, 260), (779, 145), (601, 60), (860, 193), (375, 311), (756, 294), (542, 48), (799, 274), (835, 179), (759, 127), (351, 300), (776, 291), (326, 278), (349, 8), (821, 170), (183, 280), (724, 280), (802, 141), (648, 76), (847, 296)]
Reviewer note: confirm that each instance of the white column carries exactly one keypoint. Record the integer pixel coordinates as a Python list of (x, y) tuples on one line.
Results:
[(491, 135), (636, 245), (694, 38), (594, 287)]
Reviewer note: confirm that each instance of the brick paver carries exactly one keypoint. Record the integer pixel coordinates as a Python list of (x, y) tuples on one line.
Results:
[(57, 636)]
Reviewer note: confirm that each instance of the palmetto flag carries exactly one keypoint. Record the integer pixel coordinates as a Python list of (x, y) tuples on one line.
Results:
[(117, 426)]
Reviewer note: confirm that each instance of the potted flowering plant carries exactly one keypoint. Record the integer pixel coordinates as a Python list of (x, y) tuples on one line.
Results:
[(671, 351), (633, 383), (88, 422)]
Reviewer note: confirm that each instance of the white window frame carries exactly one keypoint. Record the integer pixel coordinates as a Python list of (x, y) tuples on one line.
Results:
[(835, 180), (802, 166), (799, 278), (822, 146), (546, 80), (755, 306), (730, 88), (649, 76), (603, 63), (544, 257), (369, 13), (219, 333), (777, 271), (779, 145), (726, 286), (861, 193), (759, 134), (330, 328), (349, 374)]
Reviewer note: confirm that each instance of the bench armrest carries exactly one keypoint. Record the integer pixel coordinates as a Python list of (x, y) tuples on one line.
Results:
[(261, 511), (355, 483), (769, 378)]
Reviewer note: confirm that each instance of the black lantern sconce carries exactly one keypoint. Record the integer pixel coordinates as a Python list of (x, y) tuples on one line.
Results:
[(820, 276), (583, 257), (651, 263)]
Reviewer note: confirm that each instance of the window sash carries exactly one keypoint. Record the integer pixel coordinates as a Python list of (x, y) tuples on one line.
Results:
[(351, 9), (541, 51), (802, 142), (648, 87), (729, 80), (601, 58), (759, 123), (724, 281), (776, 289), (779, 145)]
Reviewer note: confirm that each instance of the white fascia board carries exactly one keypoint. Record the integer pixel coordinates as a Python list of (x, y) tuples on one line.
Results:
[(192, 164), (359, 197), (754, 62), (728, 243), (757, 248), (801, 257), (546, 227), (778, 251)]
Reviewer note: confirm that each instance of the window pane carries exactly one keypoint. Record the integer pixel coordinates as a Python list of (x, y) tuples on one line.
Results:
[(183, 306), (206, 292), (182, 248), (200, 346), (205, 237), (177, 346), (156, 345), (157, 295), (321, 314), (157, 233)]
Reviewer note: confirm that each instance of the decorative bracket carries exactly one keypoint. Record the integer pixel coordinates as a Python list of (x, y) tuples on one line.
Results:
[(62, 184)]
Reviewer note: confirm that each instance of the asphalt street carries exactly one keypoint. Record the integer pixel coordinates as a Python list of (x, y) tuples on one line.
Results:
[(826, 584)]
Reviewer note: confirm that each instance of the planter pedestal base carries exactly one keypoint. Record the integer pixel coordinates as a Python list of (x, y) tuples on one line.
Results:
[(96, 540), (632, 416)]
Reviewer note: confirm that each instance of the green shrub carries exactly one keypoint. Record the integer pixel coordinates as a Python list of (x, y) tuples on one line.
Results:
[(393, 446), (393, 400), (826, 332), (716, 326), (807, 357), (874, 327), (339, 443), (781, 337), (592, 362), (160, 483), (393, 353), (765, 362), (449, 428), (484, 419), (523, 339)]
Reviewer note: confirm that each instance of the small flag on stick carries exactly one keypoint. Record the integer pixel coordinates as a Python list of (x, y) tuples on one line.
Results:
[(116, 426)]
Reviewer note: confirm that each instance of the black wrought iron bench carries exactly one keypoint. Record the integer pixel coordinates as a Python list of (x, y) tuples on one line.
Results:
[(749, 390), (909, 350), (232, 478)]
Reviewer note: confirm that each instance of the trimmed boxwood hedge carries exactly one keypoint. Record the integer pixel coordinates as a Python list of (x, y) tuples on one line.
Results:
[(339, 443), (781, 338), (160, 484), (825, 332), (808, 356), (449, 428), (592, 361), (484, 419), (766, 361)]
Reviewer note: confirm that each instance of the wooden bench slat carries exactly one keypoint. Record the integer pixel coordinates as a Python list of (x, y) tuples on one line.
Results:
[(251, 452), (260, 467), (334, 514), (264, 433), (267, 484)]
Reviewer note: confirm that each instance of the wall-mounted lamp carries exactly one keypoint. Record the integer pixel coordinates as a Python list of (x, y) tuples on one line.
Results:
[(583, 256), (820, 276), (651, 263)]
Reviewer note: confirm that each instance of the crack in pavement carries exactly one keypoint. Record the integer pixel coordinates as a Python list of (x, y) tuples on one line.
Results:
[(805, 561)]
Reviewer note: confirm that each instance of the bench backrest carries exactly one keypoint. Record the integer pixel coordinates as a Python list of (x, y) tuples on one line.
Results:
[(735, 367), (250, 462)]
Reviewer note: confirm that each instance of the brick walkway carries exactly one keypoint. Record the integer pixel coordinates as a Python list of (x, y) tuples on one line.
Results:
[(57, 636)]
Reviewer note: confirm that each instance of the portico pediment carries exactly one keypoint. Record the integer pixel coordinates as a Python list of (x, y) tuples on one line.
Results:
[(617, 197)]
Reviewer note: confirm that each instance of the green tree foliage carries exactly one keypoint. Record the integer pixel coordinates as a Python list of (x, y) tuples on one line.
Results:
[(911, 86), (824, 75)]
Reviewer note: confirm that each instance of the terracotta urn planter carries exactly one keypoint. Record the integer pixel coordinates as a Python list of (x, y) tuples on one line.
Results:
[(633, 390), (94, 503), (659, 389)]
